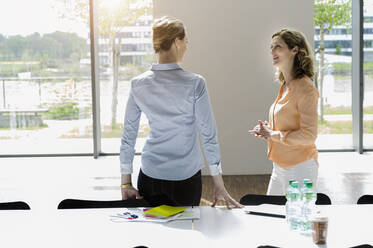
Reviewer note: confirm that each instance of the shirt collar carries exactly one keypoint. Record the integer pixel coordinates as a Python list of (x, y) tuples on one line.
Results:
[(290, 84), (286, 84), (165, 67)]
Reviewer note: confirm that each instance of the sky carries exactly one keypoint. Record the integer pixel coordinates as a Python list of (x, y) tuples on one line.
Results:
[(29, 16)]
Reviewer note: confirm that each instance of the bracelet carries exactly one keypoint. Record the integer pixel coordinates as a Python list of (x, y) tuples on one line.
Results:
[(125, 186)]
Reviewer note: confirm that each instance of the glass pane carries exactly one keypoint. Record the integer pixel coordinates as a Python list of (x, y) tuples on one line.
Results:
[(333, 64), (45, 86), (125, 51), (368, 75)]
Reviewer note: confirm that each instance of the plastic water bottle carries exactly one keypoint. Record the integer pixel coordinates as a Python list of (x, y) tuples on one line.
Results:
[(287, 204), (303, 191), (288, 188), (293, 206), (309, 197)]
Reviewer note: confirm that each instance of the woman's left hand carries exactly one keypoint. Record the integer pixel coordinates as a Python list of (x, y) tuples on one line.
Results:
[(262, 130), (220, 193)]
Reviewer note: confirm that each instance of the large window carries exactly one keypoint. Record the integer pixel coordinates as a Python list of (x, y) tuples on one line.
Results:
[(125, 51), (45, 84), (333, 62), (368, 76), (45, 73)]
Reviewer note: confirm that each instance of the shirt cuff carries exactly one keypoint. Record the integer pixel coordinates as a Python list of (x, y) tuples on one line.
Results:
[(126, 168), (278, 136), (215, 169)]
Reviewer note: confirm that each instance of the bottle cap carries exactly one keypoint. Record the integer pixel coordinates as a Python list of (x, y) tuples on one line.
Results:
[(309, 184), (306, 180), (295, 184)]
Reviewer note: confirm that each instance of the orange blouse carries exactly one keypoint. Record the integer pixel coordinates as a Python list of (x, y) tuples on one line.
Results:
[(293, 117)]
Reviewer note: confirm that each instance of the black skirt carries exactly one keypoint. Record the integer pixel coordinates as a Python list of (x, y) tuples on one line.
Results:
[(174, 193)]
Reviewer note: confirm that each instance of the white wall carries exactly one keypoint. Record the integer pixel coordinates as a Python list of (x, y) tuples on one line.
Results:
[(229, 45)]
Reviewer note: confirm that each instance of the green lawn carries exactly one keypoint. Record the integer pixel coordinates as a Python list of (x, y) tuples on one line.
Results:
[(342, 68), (342, 127), (26, 128), (328, 127), (343, 110), (106, 132)]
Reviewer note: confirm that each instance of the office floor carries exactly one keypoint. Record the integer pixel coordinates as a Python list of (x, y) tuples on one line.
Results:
[(344, 177), (44, 182)]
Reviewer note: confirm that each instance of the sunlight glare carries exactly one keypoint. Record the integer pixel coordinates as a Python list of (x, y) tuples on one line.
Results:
[(111, 3)]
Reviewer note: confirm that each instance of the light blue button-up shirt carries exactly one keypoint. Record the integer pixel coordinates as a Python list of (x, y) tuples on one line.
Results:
[(177, 105)]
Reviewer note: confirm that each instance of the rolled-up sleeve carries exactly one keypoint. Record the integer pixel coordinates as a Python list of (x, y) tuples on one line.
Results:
[(207, 127), (308, 118), (129, 135)]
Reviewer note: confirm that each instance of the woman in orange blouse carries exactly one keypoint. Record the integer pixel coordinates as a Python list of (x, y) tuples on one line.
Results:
[(292, 128)]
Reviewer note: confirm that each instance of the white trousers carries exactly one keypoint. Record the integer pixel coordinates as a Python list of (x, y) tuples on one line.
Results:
[(280, 177)]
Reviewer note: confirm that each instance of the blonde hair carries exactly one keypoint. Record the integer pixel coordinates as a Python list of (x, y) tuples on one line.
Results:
[(303, 60), (165, 31)]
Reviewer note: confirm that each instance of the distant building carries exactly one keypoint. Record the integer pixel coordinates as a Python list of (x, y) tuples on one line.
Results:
[(136, 43), (339, 40)]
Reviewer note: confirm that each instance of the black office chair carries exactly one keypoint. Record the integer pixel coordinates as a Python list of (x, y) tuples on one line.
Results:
[(76, 203), (18, 205), (365, 199), (323, 199), (252, 199), (363, 246)]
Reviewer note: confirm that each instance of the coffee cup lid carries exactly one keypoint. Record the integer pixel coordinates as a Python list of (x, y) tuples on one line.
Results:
[(320, 219)]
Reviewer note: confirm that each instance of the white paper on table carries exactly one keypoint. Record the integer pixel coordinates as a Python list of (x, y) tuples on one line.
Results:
[(267, 208), (189, 214)]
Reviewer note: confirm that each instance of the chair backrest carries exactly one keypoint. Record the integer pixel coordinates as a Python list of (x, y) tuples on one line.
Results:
[(365, 199), (76, 203), (252, 199), (362, 246), (323, 199), (18, 205)]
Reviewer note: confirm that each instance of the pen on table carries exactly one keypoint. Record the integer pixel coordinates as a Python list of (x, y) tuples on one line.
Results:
[(131, 215), (266, 214)]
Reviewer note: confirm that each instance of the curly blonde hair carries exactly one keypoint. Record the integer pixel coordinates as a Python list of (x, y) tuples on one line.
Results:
[(303, 60), (165, 30)]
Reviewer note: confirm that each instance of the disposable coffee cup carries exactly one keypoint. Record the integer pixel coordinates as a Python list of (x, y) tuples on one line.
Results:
[(319, 229)]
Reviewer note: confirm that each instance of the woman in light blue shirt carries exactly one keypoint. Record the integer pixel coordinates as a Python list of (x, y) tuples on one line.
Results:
[(177, 105)]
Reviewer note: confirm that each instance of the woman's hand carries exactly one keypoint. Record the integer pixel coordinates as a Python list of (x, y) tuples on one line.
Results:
[(262, 130), (220, 193), (130, 193)]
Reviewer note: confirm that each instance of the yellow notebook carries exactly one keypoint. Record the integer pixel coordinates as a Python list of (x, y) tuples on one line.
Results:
[(163, 211)]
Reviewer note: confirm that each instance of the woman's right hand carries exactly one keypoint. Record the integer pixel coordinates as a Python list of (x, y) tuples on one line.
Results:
[(130, 193), (256, 130)]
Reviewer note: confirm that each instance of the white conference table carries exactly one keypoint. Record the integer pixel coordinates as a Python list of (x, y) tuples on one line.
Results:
[(349, 225)]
